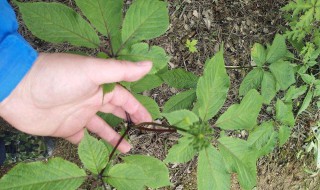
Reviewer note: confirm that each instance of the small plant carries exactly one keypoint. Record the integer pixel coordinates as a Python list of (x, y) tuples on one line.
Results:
[(191, 45), (136, 171)]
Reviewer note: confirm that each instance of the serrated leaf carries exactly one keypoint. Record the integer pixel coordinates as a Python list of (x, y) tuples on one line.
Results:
[(212, 87), (191, 45), (149, 104), (142, 52), (181, 152), (145, 19), (240, 159), (243, 115), (269, 146), (252, 81), (309, 79), (211, 172), (260, 136), (127, 176), (105, 16), (148, 82), (111, 119), (277, 50), (294, 93), (183, 100), (284, 73), (152, 167), (268, 87), (306, 102), (284, 134), (55, 174), (181, 118), (284, 113), (180, 79), (57, 23), (258, 54), (94, 159)]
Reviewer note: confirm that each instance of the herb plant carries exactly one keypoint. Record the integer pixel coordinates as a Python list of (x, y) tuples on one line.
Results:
[(206, 131)]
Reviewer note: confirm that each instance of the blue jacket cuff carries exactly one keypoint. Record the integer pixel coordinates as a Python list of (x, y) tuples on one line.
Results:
[(17, 57)]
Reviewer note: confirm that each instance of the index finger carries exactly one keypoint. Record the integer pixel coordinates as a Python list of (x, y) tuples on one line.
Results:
[(122, 99), (103, 71)]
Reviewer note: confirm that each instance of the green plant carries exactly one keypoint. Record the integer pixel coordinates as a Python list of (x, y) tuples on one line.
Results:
[(136, 171), (191, 45), (109, 33)]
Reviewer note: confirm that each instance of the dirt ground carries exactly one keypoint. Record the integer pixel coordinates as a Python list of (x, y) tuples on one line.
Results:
[(237, 24)]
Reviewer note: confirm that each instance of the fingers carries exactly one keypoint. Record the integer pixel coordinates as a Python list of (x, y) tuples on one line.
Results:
[(103, 130), (109, 70), (120, 101)]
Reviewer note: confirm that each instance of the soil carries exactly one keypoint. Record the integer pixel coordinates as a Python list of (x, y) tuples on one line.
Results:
[(237, 24)]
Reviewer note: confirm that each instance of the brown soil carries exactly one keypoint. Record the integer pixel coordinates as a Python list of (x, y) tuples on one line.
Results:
[(237, 24)]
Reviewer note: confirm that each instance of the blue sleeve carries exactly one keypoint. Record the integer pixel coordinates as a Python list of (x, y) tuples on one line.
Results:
[(16, 55)]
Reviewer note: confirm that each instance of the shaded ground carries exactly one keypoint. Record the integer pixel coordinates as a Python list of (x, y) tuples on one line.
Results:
[(237, 24)]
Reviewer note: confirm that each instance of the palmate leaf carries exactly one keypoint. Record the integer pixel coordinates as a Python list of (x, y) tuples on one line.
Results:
[(152, 167), (251, 81), (127, 176), (180, 79), (212, 87), (55, 174), (56, 23), (145, 19), (211, 172), (180, 101), (277, 50), (243, 115), (241, 159), (105, 16), (284, 73), (94, 159), (181, 152), (150, 104), (142, 52)]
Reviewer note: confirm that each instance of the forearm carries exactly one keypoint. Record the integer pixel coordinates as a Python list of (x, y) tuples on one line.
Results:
[(17, 56)]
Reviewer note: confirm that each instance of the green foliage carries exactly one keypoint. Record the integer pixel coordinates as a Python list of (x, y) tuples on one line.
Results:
[(145, 19), (150, 104), (211, 172), (105, 16), (153, 168), (212, 87), (305, 14), (180, 79), (251, 81), (56, 23), (93, 159), (243, 115), (55, 174), (191, 45), (142, 51), (183, 100)]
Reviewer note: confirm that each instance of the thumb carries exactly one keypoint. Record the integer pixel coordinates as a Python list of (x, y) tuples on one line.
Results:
[(109, 70)]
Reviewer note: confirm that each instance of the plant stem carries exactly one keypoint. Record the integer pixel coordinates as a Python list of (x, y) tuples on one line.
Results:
[(104, 50), (240, 67)]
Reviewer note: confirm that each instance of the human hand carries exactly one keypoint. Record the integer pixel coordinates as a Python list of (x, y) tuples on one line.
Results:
[(61, 95)]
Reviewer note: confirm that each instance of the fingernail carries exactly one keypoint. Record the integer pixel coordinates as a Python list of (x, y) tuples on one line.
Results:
[(144, 63)]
